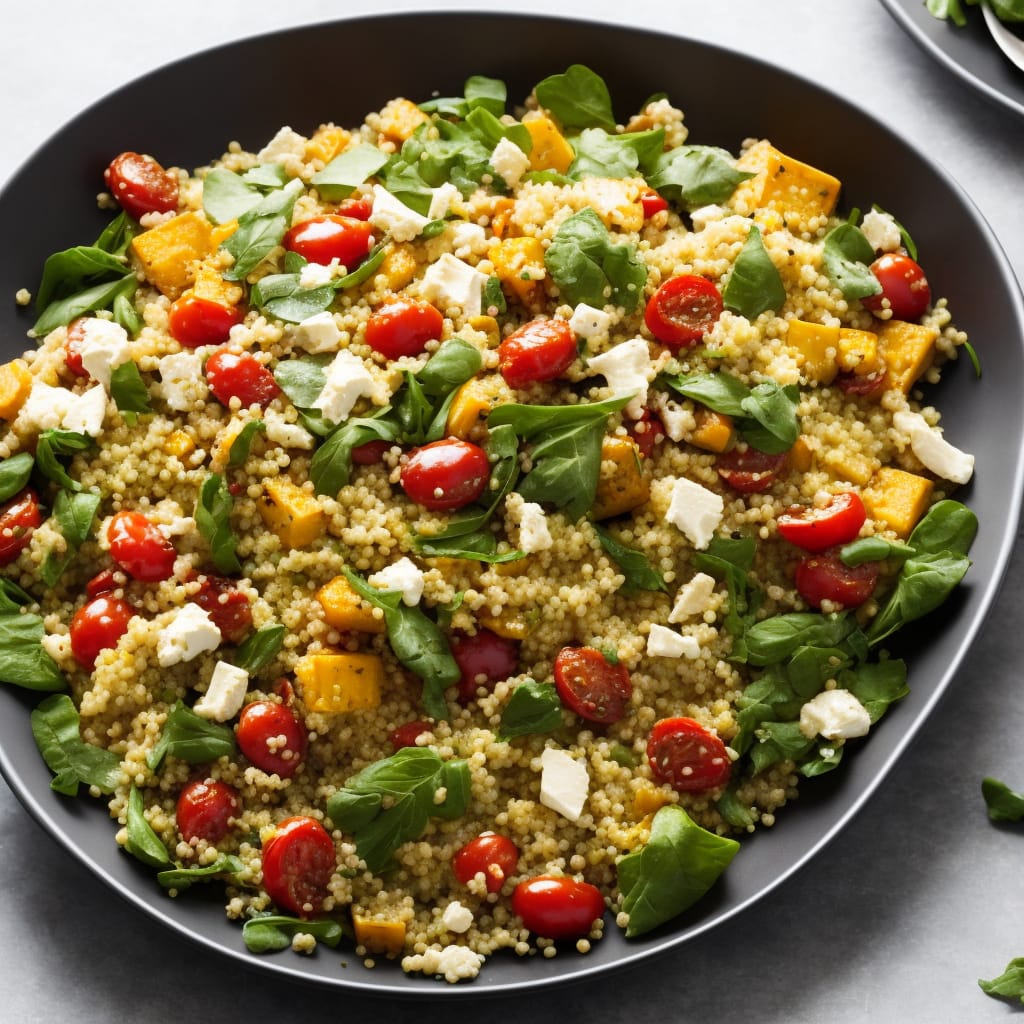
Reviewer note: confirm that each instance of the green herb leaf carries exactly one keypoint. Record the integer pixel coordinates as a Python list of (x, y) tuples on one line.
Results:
[(532, 708), (873, 549), (74, 514), (142, 842), (770, 421), (478, 546), (117, 235), (877, 684), (774, 639), (847, 254), (23, 661), (331, 466), (126, 314), (104, 295), (12, 597), (14, 474), (951, 9), (239, 450), (259, 649), (734, 811), (128, 389), (779, 741), (192, 739), (213, 520), (73, 270), (1009, 984), (260, 230), (302, 379), (283, 297), (674, 869), (719, 391), (755, 284), (1004, 804), (55, 727), (227, 196), (181, 878), (267, 933), (639, 573), (601, 155), (339, 178), (485, 93), (578, 98), (695, 176), (59, 443)]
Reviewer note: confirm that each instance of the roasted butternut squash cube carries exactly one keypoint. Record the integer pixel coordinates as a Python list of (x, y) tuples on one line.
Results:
[(292, 513), (468, 407), (344, 609), (378, 935), (551, 151), (519, 265), (209, 284), (858, 352), (907, 350), (511, 624), (817, 346), (801, 455), (327, 142), (15, 385), (615, 200), (797, 190), (179, 444), (332, 684), (399, 119), (897, 498), (714, 432), (169, 252), (622, 485), (398, 266), (648, 799), (489, 326)]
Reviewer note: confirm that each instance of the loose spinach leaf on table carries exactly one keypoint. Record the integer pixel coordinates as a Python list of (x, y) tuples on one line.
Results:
[(531, 709), (192, 739), (267, 933), (1003, 803), (142, 842), (754, 285), (55, 728), (1009, 984)]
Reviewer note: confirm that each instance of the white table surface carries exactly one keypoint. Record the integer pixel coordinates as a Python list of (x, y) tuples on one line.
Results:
[(894, 921)]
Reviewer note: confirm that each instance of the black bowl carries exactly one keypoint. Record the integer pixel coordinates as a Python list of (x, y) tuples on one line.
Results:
[(339, 71)]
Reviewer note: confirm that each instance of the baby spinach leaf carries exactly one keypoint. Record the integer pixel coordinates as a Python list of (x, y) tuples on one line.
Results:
[(952, 9), (267, 933), (578, 98), (734, 811), (770, 422), (454, 362), (846, 254), (117, 235), (331, 466), (74, 514), (601, 155), (127, 315), (190, 738), (755, 284), (731, 559), (14, 474), (479, 546), (908, 243), (588, 267), (339, 178), (142, 842), (259, 649), (674, 869), (531, 709), (490, 130), (239, 450), (695, 176), (719, 391), (776, 638), (228, 196), (73, 270), (873, 549), (213, 520), (23, 661), (260, 230), (778, 741), (12, 597), (485, 93), (1009, 984), (182, 878), (103, 295), (948, 526), (55, 728), (302, 379), (59, 443), (283, 297), (1003, 803), (877, 684), (128, 389), (638, 571)]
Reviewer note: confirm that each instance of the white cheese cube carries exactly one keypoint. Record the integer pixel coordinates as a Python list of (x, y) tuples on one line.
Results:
[(534, 534), (393, 216), (692, 598), (457, 918), (663, 642), (834, 714), (564, 783), (467, 239), (590, 322), (104, 347), (441, 200), (705, 215), (348, 380), (696, 511), (509, 161), (934, 451), (86, 412), (45, 407), (284, 144), (316, 275), (187, 635), (881, 231), (288, 435), (677, 420), (628, 370), (317, 333), (450, 282), (225, 693), (403, 575), (182, 383)]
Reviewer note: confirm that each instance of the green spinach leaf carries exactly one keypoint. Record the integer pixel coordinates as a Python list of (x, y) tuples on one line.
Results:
[(142, 842), (182, 878), (260, 230), (339, 178), (213, 520), (259, 649), (267, 933), (128, 389), (755, 285), (601, 155), (1003, 803), (532, 708), (695, 176), (578, 98), (74, 514), (638, 571), (847, 255), (55, 444), (14, 474), (23, 661), (55, 728), (192, 739)]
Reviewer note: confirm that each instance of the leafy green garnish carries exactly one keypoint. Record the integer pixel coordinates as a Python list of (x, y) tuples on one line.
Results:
[(267, 933), (128, 390), (227, 196), (74, 514), (142, 842), (755, 284), (260, 230), (695, 176), (14, 474), (638, 571), (847, 255), (532, 708), (55, 444), (259, 649), (181, 878), (192, 739), (55, 728), (23, 661), (615, 156), (213, 520), (347, 170), (578, 98), (1003, 803), (240, 447), (331, 466)]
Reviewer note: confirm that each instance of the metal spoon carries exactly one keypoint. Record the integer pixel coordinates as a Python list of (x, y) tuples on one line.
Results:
[(1010, 44)]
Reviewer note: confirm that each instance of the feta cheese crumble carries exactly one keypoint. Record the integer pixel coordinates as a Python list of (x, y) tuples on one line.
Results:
[(564, 783), (225, 693), (696, 511), (509, 161), (628, 370), (692, 598), (881, 231), (403, 575), (834, 714), (457, 918), (317, 333), (190, 633), (104, 347), (450, 282), (934, 451), (348, 380), (393, 216), (663, 642)]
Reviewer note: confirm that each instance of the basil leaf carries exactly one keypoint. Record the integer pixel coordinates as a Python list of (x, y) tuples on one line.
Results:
[(239, 450), (331, 466), (14, 474), (578, 98), (846, 254), (260, 230), (771, 423), (259, 649), (227, 197), (192, 739), (674, 869), (755, 284), (213, 520), (142, 842), (128, 389), (54, 443), (339, 178), (531, 709), (638, 571), (283, 297), (74, 514), (695, 176), (1003, 803), (267, 933), (588, 267), (181, 878), (23, 661), (601, 155), (62, 311), (55, 728)]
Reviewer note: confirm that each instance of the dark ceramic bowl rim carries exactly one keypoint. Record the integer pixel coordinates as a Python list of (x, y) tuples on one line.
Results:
[(88, 834)]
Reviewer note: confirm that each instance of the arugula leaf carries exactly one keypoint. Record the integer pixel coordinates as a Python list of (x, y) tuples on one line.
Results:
[(181, 878), (128, 389), (847, 254), (639, 573), (23, 661), (259, 649), (755, 284), (55, 728), (339, 178), (601, 155), (213, 520), (1003, 803), (192, 739), (239, 450), (260, 230), (14, 474), (410, 779), (674, 869), (142, 842), (59, 443), (588, 267), (267, 933), (532, 708), (74, 514), (578, 98), (695, 176)]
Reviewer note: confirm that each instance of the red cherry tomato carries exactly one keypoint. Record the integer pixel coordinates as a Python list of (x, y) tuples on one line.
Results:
[(494, 855), (19, 516), (408, 733), (556, 907), (823, 577), (903, 285), (194, 321), (272, 737), (141, 185), (102, 583), (591, 685), (242, 376), (683, 310), (226, 605), (815, 529), (539, 350), (857, 384), (138, 547), (73, 347), (329, 237), (652, 203), (207, 809), (403, 327), (683, 754), (485, 659), (748, 470), (358, 208), (298, 861), (446, 475), (370, 453), (98, 626), (647, 432)]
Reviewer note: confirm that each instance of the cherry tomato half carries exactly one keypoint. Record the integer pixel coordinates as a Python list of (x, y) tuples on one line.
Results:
[(207, 809), (357, 207), (557, 907), (683, 310), (446, 475), (748, 470), (298, 861), (138, 547), (227, 606), (194, 321), (823, 577), (539, 350), (370, 453), (331, 237), (240, 375), (860, 384), (408, 733), (903, 285), (485, 659), (98, 626), (494, 855), (647, 432), (272, 737), (591, 685), (102, 583), (141, 185), (403, 327), (73, 342), (815, 529), (19, 516), (683, 754), (652, 203)]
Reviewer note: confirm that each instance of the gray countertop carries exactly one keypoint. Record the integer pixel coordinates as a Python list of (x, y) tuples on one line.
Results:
[(894, 921)]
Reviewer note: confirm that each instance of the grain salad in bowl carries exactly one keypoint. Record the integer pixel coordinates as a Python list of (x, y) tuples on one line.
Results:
[(449, 534)]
